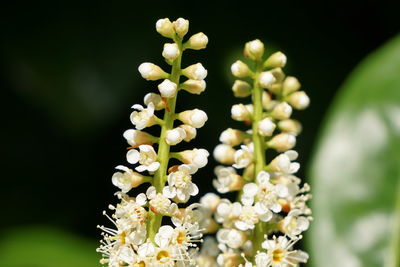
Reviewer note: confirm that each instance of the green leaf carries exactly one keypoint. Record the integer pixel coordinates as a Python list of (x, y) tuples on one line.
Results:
[(46, 247), (355, 171)]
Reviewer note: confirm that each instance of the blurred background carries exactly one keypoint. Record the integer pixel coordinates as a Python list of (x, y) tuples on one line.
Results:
[(69, 77)]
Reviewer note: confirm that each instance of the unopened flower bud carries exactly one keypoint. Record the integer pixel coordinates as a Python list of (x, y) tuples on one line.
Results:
[(170, 51), (195, 117), (197, 157), (276, 60), (136, 138), (266, 127), (152, 72), (266, 78), (181, 26), (267, 100), (239, 112), (282, 142), (197, 41), (175, 136), (240, 69), (165, 28), (254, 49), (232, 137), (290, 84), (224, 154), (155, 99), (290, 126), (299, 100), (194, 86), (195, 72), (167, 88), (241, 88), (282, 111), (190, 131)]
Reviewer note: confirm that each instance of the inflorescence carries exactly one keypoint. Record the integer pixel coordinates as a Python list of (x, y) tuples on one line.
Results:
[(140, 236)]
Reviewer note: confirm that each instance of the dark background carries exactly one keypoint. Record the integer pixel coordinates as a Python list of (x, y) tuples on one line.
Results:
[(69, 76)]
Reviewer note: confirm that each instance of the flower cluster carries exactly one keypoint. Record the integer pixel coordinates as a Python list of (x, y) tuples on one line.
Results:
[(270, 213), (140, 236)]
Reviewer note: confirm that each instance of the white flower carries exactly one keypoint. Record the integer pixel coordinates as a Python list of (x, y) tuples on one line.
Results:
[(240, 69), (196, 157), (165, 28), (147, 158), (231, 237), (170, 51), (294, 223), (266, 79), (181, 26), (127, 179), (266, 127), (280, 253), (195, 72), (136, 138), (151, 72), (210, 201), (244, 156), (197, 41), (190, 132), (163, 236), (195, 117), (167, 88), (282, 111), (155, 99), (227, 179), (247, 219), (224, 154), (299, 100), (254, 49), (241, 112), (144, 118), (159, 202), (180, 184), (282, 163), (175, 136)]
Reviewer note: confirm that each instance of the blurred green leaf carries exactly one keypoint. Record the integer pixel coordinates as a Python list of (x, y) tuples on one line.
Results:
[(355, 172), (46, 247)]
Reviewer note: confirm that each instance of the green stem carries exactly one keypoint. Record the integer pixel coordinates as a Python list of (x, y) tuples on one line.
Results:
[(160, 177), (259, 149)]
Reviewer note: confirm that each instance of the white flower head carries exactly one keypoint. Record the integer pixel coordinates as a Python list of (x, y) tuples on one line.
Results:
[(282, 111), (254, 49), (299, 100), (167, 88), (160, 203), (180, 183), (210, 201), (181, 26), (294, 223), (231, 237), (244, 156), (195, 117), (283, 163), (227, 179), (146, 157), (175, 136), (241, 112), (190, 132), (194, 86), (136, 138), (144, 117), (196, 157), (156, 99), (232, 137), (127, 179), (280, 252), (282, 142), (170, 51)]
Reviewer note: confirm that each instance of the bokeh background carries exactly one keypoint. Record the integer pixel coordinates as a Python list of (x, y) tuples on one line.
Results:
[(69, 76)]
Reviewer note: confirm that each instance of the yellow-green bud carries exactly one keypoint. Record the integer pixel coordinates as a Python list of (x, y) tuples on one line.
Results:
[(197, 41), (181, 26), (254, 50), (282, 111), (299, 100), (240, 69), (290, 84), (282, 142), (290, 126), (165, 28), (241, 88), (276, 60), (194, 86)]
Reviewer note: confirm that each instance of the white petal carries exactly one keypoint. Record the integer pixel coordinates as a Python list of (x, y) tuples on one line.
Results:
[(153, 166), (141, 199), (138, 107), (292, 154), (250, 189), (133, 156), (169, 192), (122, 168), (151, 192), (141, 168), (193, 190)]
